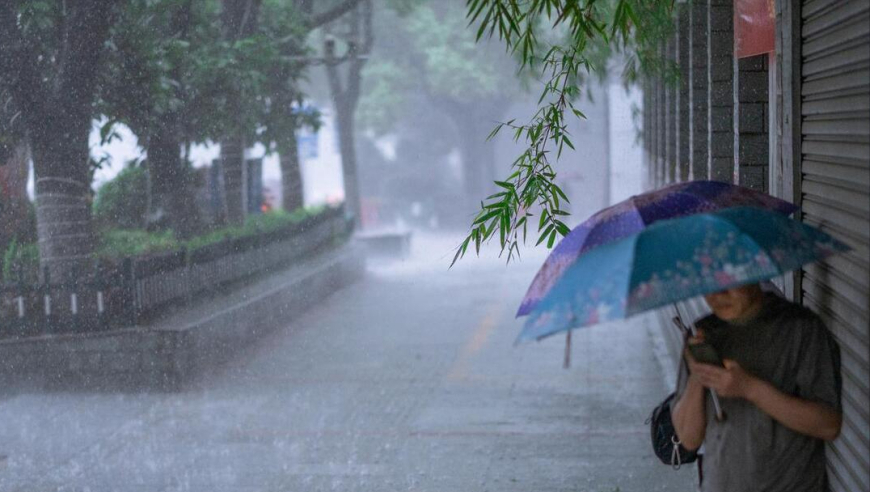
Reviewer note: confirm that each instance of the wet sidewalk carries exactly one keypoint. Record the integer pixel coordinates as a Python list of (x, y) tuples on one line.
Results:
[(406, 380)]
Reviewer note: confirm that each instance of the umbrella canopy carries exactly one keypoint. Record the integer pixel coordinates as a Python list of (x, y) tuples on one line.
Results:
[(634, 214), (675, 260)]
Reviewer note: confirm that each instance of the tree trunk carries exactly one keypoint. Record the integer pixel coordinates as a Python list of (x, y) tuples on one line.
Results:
[(239, 19), (57, 112), (347, 147), (345, 96), (235, 178), (170, 183), (63, 205), (170, 193), (293, 193), (478, 157)]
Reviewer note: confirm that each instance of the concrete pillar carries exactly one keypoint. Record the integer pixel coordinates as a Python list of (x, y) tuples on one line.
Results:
[(785, 112), (720, 76), (751, 143), (683, 130), (698, 94), (660, 119), (647, 132), (670, 113)]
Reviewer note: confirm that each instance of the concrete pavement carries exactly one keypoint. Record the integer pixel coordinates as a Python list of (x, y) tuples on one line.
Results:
[(407, 380)]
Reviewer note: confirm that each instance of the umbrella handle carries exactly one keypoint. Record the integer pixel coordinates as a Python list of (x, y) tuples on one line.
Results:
[(567, 361), (717, 407)]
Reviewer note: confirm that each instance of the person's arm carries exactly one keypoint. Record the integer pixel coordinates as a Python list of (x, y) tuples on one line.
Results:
[(807, 417), (690, 416)]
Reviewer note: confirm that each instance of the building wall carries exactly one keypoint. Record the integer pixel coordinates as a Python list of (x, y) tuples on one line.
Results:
[(751, 144)]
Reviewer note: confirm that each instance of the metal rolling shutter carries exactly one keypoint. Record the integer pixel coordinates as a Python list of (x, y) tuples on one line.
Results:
[(835, 195)]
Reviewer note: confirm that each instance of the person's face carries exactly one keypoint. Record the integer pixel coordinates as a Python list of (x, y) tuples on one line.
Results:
[(735, 304)]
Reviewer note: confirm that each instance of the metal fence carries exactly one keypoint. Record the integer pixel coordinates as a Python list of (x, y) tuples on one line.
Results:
[(135, 290)]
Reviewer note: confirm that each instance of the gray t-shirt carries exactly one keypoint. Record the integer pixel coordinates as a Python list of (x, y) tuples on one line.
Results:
[(789, 347)]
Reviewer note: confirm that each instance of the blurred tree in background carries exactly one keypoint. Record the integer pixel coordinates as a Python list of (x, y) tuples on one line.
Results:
[(357, 37), (163, 62), (176, 72), (292, 27), (274, 34), (427, 67)]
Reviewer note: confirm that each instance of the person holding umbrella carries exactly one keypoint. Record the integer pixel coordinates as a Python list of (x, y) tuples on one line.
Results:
[(778, 368), (779, 384)]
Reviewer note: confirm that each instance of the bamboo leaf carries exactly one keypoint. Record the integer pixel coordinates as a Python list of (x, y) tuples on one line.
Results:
[(544, 234), (460, 251), (551, 240), (561, 193), (486, 217)]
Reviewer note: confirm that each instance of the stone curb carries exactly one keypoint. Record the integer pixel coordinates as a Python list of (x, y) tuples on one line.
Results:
[(171, 354)]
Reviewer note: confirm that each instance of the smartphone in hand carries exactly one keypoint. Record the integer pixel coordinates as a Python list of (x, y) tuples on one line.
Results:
[(705, 354)]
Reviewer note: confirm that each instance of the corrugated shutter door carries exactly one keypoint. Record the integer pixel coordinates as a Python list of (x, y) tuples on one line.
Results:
[(835, 195)]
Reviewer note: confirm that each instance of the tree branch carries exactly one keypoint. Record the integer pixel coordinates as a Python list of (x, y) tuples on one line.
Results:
[(331, 15), (358, 57), (18, 66), (305, 6), (368, 30), (332, 75)]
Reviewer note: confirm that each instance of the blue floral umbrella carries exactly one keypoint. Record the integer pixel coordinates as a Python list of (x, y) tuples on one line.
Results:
[(675, 260), (635, 214)]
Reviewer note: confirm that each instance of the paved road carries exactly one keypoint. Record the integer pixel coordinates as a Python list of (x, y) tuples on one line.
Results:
[(407, 380)]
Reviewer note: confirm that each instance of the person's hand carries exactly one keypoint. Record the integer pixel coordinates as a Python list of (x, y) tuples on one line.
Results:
[(690, 360), (731, 381)]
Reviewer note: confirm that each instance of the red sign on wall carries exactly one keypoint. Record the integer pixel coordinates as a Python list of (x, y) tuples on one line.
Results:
[(754, 27)]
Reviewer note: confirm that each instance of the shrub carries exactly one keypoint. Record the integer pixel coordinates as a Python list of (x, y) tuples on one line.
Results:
[(267, 222), (116, 244), (122, 203), (120, 243), (20, 255)]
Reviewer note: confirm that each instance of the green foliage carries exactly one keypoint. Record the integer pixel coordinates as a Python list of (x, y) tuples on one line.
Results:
[(385, 96), (20, 256), (426, 49), (257, 224), (169, 59), (121, 243), (122, 202), (282, 103), (404, 7), (588, 33), (454, 64)]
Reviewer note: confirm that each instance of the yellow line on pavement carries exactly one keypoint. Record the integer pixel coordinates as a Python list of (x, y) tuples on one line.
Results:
[(478, 339)]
